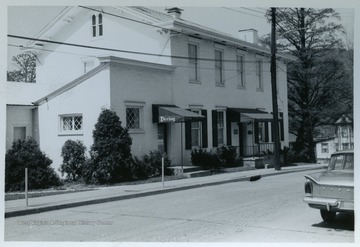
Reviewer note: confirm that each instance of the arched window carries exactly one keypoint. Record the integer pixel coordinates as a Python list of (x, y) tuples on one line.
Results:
[(94, 25), (100, 25), (97, 25)]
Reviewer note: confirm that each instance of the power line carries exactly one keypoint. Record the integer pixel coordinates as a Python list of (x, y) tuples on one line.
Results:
[(253, 10), (113, 49), (243, 12)]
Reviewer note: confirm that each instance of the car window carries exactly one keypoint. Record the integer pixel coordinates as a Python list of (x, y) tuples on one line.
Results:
[(349, 162), (342, 162)]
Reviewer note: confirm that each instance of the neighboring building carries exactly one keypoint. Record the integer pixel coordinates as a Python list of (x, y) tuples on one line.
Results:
[(342, 138), (175, 84)]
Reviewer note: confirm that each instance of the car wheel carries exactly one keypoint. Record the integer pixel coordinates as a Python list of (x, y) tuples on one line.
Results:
[(327, 216)]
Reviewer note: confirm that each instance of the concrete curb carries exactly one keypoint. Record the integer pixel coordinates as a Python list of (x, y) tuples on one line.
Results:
[(251, 178)]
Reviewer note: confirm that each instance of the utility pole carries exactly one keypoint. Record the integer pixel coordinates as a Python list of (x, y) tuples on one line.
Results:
[(275, 125)]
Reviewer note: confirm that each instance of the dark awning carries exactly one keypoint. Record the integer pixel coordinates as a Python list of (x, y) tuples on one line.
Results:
[(173, 114), (247, 114)]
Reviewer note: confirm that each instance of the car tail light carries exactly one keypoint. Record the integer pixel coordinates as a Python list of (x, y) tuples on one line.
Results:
[(308, 188)]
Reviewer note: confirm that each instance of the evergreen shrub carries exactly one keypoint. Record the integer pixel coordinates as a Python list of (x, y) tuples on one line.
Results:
[(27, 153)]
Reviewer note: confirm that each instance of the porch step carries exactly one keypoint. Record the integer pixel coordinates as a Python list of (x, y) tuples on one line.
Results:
[(196, 174), (190, 171)]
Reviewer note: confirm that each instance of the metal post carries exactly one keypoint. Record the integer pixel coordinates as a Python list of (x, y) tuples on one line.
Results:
[(274, 92), (182, 158), (162, 170), (26, 187)]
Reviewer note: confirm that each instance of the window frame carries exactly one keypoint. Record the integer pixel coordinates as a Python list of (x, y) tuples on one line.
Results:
[(199, 131), (219, 68), (240, 71), (97, 25), (194, 63), (73, 130), (220, 127), (259, 74), (140, 107)]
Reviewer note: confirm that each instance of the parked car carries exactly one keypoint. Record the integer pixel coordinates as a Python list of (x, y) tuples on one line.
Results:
[(332, 190)]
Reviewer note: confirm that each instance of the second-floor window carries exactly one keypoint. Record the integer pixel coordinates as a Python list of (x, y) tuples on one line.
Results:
[(240, 71), (219, 68), (259, 75), (97, 25), (193, 63), (324, 147)]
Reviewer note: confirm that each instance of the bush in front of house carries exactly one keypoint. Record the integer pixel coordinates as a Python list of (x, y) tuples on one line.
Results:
[(110, 154), (150, 165), (73, 153), (27, 153), (203, 158), (228, 155)]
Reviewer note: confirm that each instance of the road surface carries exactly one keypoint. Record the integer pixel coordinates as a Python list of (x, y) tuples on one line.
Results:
[(267, 210)]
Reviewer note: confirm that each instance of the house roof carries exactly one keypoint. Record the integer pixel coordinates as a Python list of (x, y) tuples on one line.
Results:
[(345, 119), (21, 93), (158, 19), (104, 63)]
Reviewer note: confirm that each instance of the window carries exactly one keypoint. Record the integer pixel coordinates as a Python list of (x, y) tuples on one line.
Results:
[(93, 19), (71, 124), (193, 63), (196, 132), (100, 25), (220, 128), (219, 73), (344, 132), (341, 162), (133, 118), (324, 147), (261, 131), (240, 71), (259, 75), (97, 25)]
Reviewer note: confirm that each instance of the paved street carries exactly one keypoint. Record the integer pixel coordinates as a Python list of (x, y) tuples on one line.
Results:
[(268, 210)]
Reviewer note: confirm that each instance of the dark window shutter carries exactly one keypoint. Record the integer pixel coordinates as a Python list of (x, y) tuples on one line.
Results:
[(282, 129), (214, 128), (187, 135), (204, 129), (228, 127), (256, 131), (266, 131)]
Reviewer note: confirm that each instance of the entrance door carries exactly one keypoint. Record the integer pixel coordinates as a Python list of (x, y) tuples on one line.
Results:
[(234, 134)]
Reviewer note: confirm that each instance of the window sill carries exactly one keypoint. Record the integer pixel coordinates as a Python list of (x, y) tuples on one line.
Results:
[(260, 90), (241, 87), (194, 81), (70, 134), (136, 131), (219, 85)]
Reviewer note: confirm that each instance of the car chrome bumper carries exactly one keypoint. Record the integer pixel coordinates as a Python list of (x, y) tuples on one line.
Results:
[(329, 204)]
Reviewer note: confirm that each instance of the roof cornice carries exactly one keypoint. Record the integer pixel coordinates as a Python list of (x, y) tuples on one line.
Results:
[(137, 63)]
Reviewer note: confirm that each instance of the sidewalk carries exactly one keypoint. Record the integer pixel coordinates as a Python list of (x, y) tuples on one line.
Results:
[(15, 208)]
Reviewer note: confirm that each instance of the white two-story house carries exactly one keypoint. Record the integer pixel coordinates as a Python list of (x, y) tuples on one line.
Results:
[(175, 84)]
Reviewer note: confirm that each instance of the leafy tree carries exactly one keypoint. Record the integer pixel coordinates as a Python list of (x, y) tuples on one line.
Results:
[(26, 153), (319, 86), (111, 152), (26, 72), (73, 153)]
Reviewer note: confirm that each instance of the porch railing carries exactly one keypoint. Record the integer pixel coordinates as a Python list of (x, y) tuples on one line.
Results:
[(259, 149)]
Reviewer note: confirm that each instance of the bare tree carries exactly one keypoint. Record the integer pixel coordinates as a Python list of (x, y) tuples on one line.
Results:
[(26, 72), (319, 85)]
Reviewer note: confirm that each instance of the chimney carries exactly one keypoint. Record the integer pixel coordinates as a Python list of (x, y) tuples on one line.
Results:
[(175, 12), (249, 35)]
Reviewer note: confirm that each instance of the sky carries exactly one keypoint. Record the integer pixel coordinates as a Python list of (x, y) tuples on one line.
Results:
[(29, 20)]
